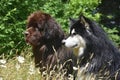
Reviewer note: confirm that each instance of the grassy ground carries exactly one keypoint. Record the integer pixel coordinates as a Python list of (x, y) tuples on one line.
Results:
[(14, 69), (22, 68)]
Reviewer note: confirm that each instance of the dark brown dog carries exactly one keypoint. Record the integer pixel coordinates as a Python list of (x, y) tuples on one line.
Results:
[(45, 36)]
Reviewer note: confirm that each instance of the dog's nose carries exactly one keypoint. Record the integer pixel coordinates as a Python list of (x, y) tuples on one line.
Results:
[(26, 33), (63, 42)]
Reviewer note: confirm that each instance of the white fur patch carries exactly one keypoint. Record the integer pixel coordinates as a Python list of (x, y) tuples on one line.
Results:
[(76, 42), (73, 31)]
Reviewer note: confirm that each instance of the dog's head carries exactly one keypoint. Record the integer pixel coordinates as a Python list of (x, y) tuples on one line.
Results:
[(79, 31), (41, 28)]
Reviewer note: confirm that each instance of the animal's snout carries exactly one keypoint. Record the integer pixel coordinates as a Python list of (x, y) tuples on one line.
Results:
[(26, 33), (63, 42)]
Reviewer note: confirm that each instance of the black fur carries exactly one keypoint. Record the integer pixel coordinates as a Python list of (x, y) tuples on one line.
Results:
[(106, 57)]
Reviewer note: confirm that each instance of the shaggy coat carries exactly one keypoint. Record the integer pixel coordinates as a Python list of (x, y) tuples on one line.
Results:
[(100, 56), (45, 35)]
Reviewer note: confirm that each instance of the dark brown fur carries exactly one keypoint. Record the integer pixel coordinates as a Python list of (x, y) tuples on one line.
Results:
[(45, 35)]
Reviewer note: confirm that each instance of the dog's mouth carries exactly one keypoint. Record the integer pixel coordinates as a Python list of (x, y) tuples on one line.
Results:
[(64, 42), (33, 43), (28, 42), (74, 46), (70, 45)]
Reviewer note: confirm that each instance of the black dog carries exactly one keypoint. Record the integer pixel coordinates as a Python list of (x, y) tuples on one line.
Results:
[(94, 48)]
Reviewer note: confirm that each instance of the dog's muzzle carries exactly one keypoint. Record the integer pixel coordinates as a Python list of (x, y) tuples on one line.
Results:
[(26, 33), (63, 42), (72, 46)]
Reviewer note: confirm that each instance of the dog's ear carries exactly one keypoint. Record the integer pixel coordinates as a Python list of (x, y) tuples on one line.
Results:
[(83, 21), (72, 20), (53, 31), (47, 16)]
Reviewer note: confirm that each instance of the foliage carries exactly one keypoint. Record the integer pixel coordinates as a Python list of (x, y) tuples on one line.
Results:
[(12, 22), (112, 33), (110, 18), (13, 15)]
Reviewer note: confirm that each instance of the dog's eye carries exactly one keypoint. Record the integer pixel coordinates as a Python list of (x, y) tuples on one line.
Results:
[(74, 34), (40, 29)]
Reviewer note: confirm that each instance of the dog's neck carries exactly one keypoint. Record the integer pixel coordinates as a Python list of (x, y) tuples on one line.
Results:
[(38, 52), (56, 43)]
